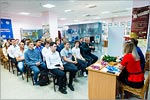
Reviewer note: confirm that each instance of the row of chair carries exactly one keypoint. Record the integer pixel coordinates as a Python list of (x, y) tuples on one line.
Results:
[(13, 65)]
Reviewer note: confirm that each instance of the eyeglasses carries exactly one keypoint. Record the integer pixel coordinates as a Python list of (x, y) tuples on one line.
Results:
[(55, 46)]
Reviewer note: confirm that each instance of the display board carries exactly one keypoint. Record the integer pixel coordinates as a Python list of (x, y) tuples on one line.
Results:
[(115, 40), (32, 34), (6, 28), (140, 20), (93, 30)]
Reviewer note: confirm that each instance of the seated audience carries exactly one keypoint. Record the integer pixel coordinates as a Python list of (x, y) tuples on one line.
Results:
[(69, 64), (17, 42), (132, 73), (60, 46), (38, 45), (34, 61), (26, 42), (20, 57), (142, 59), (48, 40), (5, 49), (82, 62), (45, 50), (54, 63), (12, 49), (86, 49), (81, 41)]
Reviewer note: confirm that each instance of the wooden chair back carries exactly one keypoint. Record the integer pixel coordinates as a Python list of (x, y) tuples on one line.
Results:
[(140, 92)]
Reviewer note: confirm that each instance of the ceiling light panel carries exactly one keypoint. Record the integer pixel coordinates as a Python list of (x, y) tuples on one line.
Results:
[(48, 6), (24, 13), (91, 6), (68, 10), (105, 12)]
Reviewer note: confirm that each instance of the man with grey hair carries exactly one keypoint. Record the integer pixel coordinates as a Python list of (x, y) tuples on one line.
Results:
[(87, 47)]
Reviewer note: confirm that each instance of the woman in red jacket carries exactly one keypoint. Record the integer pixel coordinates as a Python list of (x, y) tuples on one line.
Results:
[(132, 74)]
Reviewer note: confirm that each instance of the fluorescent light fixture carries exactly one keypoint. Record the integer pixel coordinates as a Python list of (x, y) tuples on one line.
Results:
[(91, 6), (105, 12), (24, 13), (48, 6), (68, 10), (62, 18)]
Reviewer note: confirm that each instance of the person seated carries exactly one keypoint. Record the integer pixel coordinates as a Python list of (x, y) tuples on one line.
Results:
[(25, 43), (55, 65), (86, 49), (12, 49), (69, 64), (45, 50), (82, 62), (48, 39), (38, 45), (19, 55), (142, 59), (81, 41), (17, 42), (132, 73), (60, 46), (34, 61), (4, 50)]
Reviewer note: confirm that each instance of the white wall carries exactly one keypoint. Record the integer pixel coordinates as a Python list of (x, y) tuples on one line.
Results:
[(140, 3), (25, 22), (28, 22)]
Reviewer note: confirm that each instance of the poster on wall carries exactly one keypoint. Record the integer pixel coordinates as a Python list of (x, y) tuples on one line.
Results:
[(6, 28), (46, 33), (140, 19)]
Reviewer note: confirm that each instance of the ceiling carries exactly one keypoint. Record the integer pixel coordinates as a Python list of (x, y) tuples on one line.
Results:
[(80, 11)]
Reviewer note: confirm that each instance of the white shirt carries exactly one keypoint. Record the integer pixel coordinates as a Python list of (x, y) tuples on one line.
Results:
[(19, 53), (53, 59), (45, 51), (12, 50), (76, 52)]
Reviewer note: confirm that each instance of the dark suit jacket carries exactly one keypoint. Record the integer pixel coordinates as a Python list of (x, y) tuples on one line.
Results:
[(85, 50)]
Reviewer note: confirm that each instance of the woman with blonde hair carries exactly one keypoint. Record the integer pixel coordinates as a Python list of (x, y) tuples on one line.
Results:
[(132, 74)]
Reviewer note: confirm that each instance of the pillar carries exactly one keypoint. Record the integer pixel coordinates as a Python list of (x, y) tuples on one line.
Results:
[(50, 18)]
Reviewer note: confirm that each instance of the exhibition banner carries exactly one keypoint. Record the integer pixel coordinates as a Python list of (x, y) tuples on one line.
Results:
[(140, 21), (6, 28)]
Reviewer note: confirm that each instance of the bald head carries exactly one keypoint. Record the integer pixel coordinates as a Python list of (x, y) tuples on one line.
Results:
[(87, 40)]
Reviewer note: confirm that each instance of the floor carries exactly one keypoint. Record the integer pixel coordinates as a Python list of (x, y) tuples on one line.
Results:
[(13, 87)]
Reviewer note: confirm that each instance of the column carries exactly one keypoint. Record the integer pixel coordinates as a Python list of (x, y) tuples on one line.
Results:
[(50, 18)]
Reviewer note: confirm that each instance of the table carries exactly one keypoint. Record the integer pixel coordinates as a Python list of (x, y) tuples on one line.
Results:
[(101, 84)]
